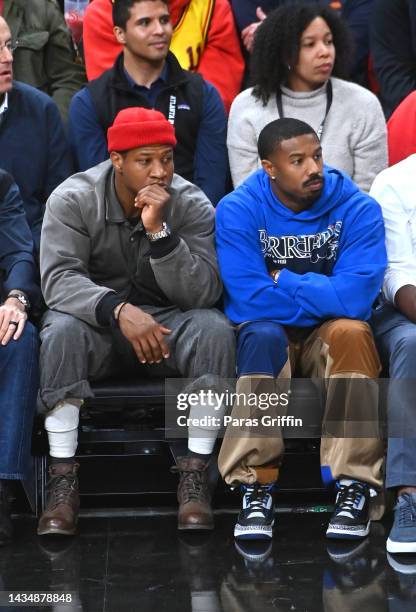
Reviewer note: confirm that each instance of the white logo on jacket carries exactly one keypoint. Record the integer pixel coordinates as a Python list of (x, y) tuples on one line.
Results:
[(315, 247)]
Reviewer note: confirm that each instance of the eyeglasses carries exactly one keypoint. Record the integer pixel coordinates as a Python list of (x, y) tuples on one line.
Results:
[(10, 46)]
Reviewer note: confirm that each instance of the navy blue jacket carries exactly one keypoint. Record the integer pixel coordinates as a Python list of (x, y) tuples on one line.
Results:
[(33, 148), (17, 266), (206, 149)]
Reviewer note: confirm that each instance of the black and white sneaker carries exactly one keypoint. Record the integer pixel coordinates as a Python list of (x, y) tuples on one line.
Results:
[(256, 518), (350, 519)]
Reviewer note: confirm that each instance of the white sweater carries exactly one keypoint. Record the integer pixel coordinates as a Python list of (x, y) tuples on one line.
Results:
[(354, 138), (395, 191)]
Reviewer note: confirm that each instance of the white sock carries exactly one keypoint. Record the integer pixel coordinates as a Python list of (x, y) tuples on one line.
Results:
[(201, 438), (61, 425), (202, 446), (205, 601)]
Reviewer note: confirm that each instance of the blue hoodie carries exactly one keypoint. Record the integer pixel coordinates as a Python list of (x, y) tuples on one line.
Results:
[(332, 255)]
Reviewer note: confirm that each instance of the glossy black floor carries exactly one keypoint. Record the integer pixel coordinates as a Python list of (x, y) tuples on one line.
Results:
[(142, 563)]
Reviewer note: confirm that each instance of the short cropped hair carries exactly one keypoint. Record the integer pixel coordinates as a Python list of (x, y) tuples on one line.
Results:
[(279, 130), (121, 11), (277, 44)]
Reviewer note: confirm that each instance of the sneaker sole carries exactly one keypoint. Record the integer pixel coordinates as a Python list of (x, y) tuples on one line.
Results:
[(400, 547), (347, 534), (242, 532), (251, 556), (402, 568)]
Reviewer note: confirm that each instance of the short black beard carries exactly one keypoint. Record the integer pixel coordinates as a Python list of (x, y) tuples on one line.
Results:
[(305, 202), (309, 201)]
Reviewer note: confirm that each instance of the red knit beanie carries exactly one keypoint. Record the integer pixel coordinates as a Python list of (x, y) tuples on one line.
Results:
[(138, 127)]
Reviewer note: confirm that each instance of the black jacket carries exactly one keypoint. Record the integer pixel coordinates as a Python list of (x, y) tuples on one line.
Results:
[(393, 48), (181, 101)]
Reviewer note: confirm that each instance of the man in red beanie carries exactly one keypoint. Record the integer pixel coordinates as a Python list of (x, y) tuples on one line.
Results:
[(130, 276)]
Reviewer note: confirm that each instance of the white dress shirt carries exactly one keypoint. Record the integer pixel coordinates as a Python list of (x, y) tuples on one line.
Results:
[(395, 191), (4, 106)]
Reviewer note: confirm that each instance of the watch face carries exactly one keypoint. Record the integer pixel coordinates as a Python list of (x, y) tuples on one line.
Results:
[(21, 298)]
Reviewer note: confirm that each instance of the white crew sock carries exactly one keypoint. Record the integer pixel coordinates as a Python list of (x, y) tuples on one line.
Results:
[(61, 425), (205, 601), (201, 438)]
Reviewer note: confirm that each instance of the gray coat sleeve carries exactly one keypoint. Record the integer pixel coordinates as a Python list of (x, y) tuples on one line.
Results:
[(64, 256), (189, 275)]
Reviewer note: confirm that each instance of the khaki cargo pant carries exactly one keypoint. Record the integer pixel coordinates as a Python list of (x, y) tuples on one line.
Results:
[(341, 352)]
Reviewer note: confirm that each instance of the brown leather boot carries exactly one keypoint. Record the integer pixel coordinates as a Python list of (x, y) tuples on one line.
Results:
[(61, 513), (194, 498)]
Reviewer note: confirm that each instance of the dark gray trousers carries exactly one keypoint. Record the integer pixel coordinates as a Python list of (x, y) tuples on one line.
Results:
[(73, 353)]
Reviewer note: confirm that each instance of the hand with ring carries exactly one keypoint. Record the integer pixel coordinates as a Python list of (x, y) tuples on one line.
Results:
[(13, 318)]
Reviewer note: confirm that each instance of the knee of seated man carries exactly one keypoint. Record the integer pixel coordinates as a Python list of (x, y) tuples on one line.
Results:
[(27, 342), (350, 331), (352, 347), (264, 333), (213, 324), (59, 328), (29, 337), (405, 345)]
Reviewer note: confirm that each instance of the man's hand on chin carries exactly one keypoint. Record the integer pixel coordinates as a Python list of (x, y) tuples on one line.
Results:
[(152, 201)]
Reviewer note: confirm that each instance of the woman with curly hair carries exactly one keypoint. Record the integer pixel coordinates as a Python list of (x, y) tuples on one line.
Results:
[(299, 64)]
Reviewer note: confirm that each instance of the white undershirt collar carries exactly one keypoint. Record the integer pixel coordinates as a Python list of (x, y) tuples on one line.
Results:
[(5, 105)]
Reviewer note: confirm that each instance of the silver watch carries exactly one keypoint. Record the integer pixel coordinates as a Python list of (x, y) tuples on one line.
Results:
[(21, 297), (163, 233)]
